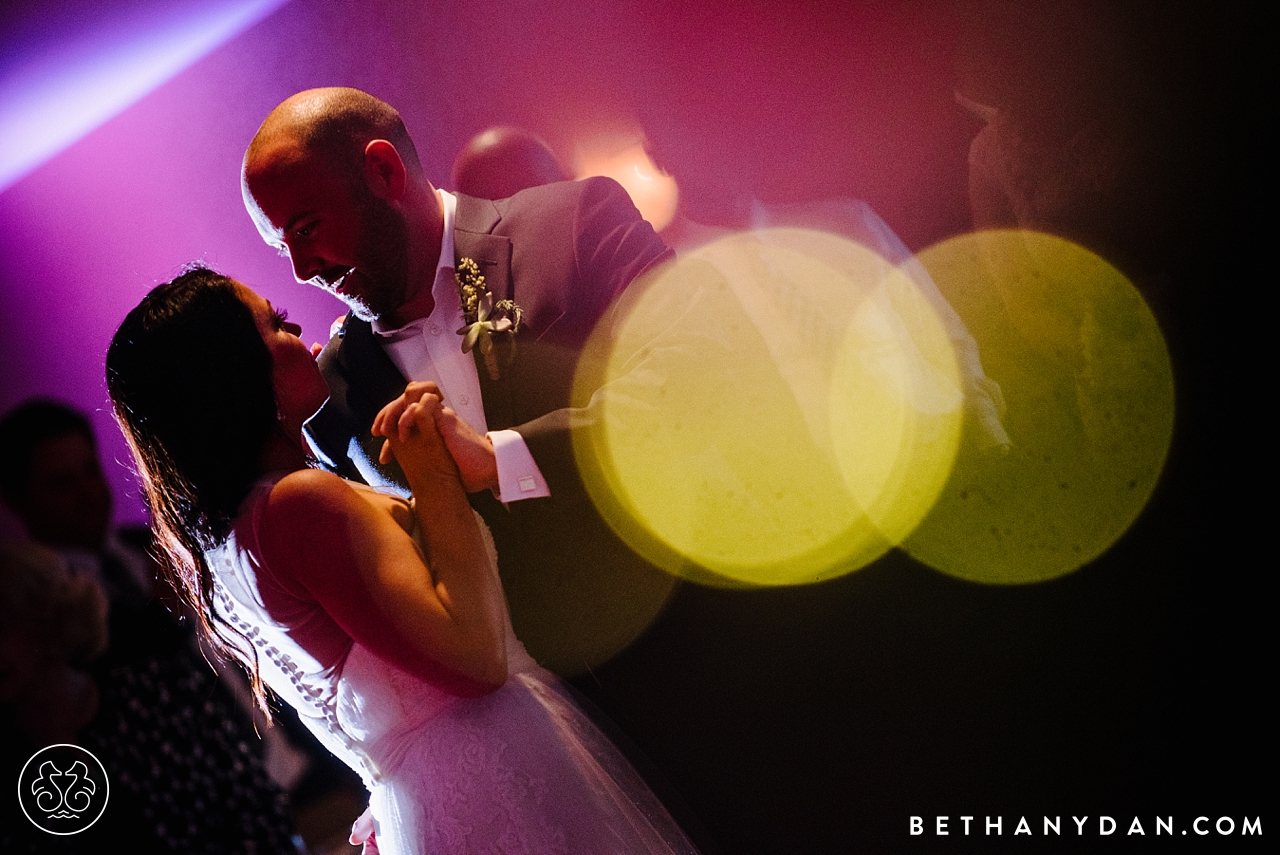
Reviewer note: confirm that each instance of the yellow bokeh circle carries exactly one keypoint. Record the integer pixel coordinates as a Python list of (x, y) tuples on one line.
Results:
[(777, 407), (1088, 388)]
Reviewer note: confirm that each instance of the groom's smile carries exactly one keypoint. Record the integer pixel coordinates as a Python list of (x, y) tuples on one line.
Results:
[(345, 243), (334, 280), (345, 284)]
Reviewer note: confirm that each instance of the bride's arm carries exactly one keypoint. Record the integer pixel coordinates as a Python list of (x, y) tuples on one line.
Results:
[(439, 616)]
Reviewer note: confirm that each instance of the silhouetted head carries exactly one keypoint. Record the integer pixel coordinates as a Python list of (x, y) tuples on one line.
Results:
[(51, 476), (208, 382), (502, 161), (190, 379)]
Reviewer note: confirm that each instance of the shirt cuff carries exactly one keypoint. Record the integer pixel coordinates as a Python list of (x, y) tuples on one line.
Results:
[(518, 476)]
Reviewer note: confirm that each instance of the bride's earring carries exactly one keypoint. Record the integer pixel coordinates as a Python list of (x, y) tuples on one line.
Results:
[(282, 427)]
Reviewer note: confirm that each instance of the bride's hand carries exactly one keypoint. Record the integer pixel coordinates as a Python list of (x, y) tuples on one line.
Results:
[(412, 437), (396, 418), (472, 453), (362, 833)]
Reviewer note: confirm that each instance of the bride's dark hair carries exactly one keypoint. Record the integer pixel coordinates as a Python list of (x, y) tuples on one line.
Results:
[(190, 382)]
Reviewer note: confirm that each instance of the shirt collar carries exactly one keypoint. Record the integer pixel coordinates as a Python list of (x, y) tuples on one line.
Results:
[(444, 272)]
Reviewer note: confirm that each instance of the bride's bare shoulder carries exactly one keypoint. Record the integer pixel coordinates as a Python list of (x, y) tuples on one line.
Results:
[(308, 486), (309, 520), (310, 503)]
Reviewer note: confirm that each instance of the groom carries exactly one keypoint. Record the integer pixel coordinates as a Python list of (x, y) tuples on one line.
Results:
[(332, 179)]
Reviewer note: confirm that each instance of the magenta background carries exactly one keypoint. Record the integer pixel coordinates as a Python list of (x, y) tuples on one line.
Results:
[(737, 97)]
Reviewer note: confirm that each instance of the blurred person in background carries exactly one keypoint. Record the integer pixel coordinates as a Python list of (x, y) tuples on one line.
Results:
[(185, 762), (501, 161)]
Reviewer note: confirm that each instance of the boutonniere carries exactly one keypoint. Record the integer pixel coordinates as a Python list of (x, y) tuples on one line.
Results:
[(484, 318)]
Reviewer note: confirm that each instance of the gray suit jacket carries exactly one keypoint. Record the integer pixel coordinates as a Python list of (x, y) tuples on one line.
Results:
[(563, 252)]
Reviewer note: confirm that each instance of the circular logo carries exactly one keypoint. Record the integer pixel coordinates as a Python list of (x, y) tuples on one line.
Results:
[(63, 789)]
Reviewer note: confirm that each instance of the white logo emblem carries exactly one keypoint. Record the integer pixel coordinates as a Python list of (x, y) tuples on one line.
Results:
[(63, 789)]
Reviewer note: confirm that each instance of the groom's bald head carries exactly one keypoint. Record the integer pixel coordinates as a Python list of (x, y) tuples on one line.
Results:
[(332, 180), (334, 125)]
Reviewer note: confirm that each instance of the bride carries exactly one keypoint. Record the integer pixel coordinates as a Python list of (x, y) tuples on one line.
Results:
[(382, 621)]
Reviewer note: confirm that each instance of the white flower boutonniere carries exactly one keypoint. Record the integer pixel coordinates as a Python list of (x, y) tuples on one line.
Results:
[(484, 318)]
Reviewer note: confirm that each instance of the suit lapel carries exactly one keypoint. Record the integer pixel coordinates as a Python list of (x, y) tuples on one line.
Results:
[(361, 378), (362, 357), (473, 221)]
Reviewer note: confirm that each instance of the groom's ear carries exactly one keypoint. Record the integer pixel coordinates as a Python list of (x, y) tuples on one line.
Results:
[(384, 170)]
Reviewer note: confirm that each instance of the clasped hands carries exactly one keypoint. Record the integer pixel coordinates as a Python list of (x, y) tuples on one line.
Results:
[(425, 435), (427, 438)]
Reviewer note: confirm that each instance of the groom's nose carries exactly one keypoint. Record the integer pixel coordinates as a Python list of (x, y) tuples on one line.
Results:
[(305, 265)]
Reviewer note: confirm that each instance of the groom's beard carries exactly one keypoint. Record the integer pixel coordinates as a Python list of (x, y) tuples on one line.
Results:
[(378, 284)]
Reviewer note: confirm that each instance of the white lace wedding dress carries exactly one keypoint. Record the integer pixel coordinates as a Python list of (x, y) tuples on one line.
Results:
[(521, 770)]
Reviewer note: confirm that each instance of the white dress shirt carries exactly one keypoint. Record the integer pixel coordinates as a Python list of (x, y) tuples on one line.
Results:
[(430, 348)]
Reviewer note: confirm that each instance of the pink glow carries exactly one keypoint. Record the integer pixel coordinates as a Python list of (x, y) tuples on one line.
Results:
[(124, 206), (654, 193)]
